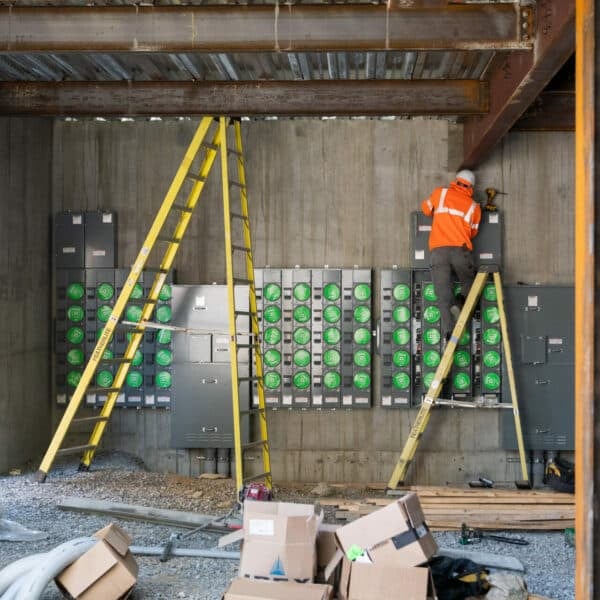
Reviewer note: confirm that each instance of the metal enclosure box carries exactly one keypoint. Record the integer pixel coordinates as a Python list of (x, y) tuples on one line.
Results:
[(487, 245), (541, 329), (202, 414), (69, 240), (100, 239)]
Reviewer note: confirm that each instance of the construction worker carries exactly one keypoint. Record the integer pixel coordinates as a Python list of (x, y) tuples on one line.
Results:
[(455, 223)]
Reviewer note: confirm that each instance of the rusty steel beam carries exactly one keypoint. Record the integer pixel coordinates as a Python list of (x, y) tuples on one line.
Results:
[(587, 296), (310, 98), (517, 78), (551, 111), (263, 28)]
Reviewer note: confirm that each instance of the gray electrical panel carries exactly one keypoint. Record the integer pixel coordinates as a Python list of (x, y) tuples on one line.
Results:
[(202, 415), (487, 245), (69, 240), (100, 239), (542, 333)]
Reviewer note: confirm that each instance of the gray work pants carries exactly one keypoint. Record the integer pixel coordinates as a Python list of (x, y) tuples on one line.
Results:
[(444, 260)]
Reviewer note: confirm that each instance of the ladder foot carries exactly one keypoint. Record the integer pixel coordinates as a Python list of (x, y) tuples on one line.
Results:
[(83, 468), (40, 477), (524, 484)]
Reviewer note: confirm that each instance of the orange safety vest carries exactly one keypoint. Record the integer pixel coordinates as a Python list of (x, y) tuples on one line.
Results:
[(455, 216)]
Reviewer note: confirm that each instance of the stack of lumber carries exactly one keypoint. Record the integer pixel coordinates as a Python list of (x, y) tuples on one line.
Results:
[(448, 508)]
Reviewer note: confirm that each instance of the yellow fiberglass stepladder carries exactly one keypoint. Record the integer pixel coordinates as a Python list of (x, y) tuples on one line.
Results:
[(432, 395), (167, 232)]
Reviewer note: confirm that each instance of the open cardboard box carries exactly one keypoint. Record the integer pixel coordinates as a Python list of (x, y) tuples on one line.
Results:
[(107, 571), (279, 541), (246, 589)]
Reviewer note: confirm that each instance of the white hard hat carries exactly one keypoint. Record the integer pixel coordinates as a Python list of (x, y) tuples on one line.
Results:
[(466, 176)]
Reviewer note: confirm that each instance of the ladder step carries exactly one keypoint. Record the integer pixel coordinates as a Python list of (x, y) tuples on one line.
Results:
[(243, 313), (233, 151), (238, 216), (237, 184), (241, 248), (255, 477), (210, 146), (253, 378), (76, 449), (252, 411), (182, 208), (90, 419), (255, 444), (245, 346), (142, 301), (169, 239), (102, 390), (156, 270), (120, 359), (242, 281), (195, 177)]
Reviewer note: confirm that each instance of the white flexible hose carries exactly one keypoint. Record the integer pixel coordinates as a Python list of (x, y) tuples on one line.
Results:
[(12, 572), (31, 584)]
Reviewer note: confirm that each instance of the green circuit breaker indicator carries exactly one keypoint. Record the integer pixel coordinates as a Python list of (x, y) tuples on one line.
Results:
[(105, 291), (401, 358), (302, 358), (431, 358), (332, 313), (272, 380), (491, 359), (429, 293), (134, 379), (164, 357), (401, 380), (492, 336), (75, 313), (301, 380), (362, 380), (461, 381), (431, 314), (491, 315), (489, 293), (138, 358), (362, 292), (137, 292), (75, 357), (104, 379), (108, 355), (73, 378), (332, 335), (75, 291), (164, 336), (272, 357), (432, 336), (75, 335), (428, 380), (362, 314), (362, 358), (301, 336), (401, 336), (166, 292), (302, 313), (491, 382), (332, 380), (362, 336), (272, 292), (164, 313), (401, 314), (133, 313), (332, 292), (401, 292), (331, 358), (465, 338), (462, 359), (163, 379), (103, 313), (272, 314), (302, 292), (272, 335)]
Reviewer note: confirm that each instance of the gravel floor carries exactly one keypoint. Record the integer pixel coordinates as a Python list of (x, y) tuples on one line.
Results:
[(117, 477)]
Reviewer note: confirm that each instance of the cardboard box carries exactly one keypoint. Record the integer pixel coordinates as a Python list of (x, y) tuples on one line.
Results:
[(279, 541), (107, 571), (363, 581), (326, 550), (246, 589), (396, 533)]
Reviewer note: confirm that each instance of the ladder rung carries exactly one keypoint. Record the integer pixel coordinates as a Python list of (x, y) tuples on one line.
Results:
[(170, 240), (156, 270), (141, 301), (241, 248), (76, 449), (252, 411), (253, 378), (120, 359), (195, 177), (254, 345), (242, 281), (210, 146), (255, 477), (243, 313), (89, 419), (238, 216), (233, 151), (255, 444), (181, 208), (102, 390), (237, 184)]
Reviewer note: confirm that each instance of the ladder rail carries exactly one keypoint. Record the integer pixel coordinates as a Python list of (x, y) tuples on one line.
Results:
[(511, 376)]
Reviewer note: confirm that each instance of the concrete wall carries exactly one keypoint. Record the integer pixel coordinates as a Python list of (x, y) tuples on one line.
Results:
[(25, 208), (337, 193)]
